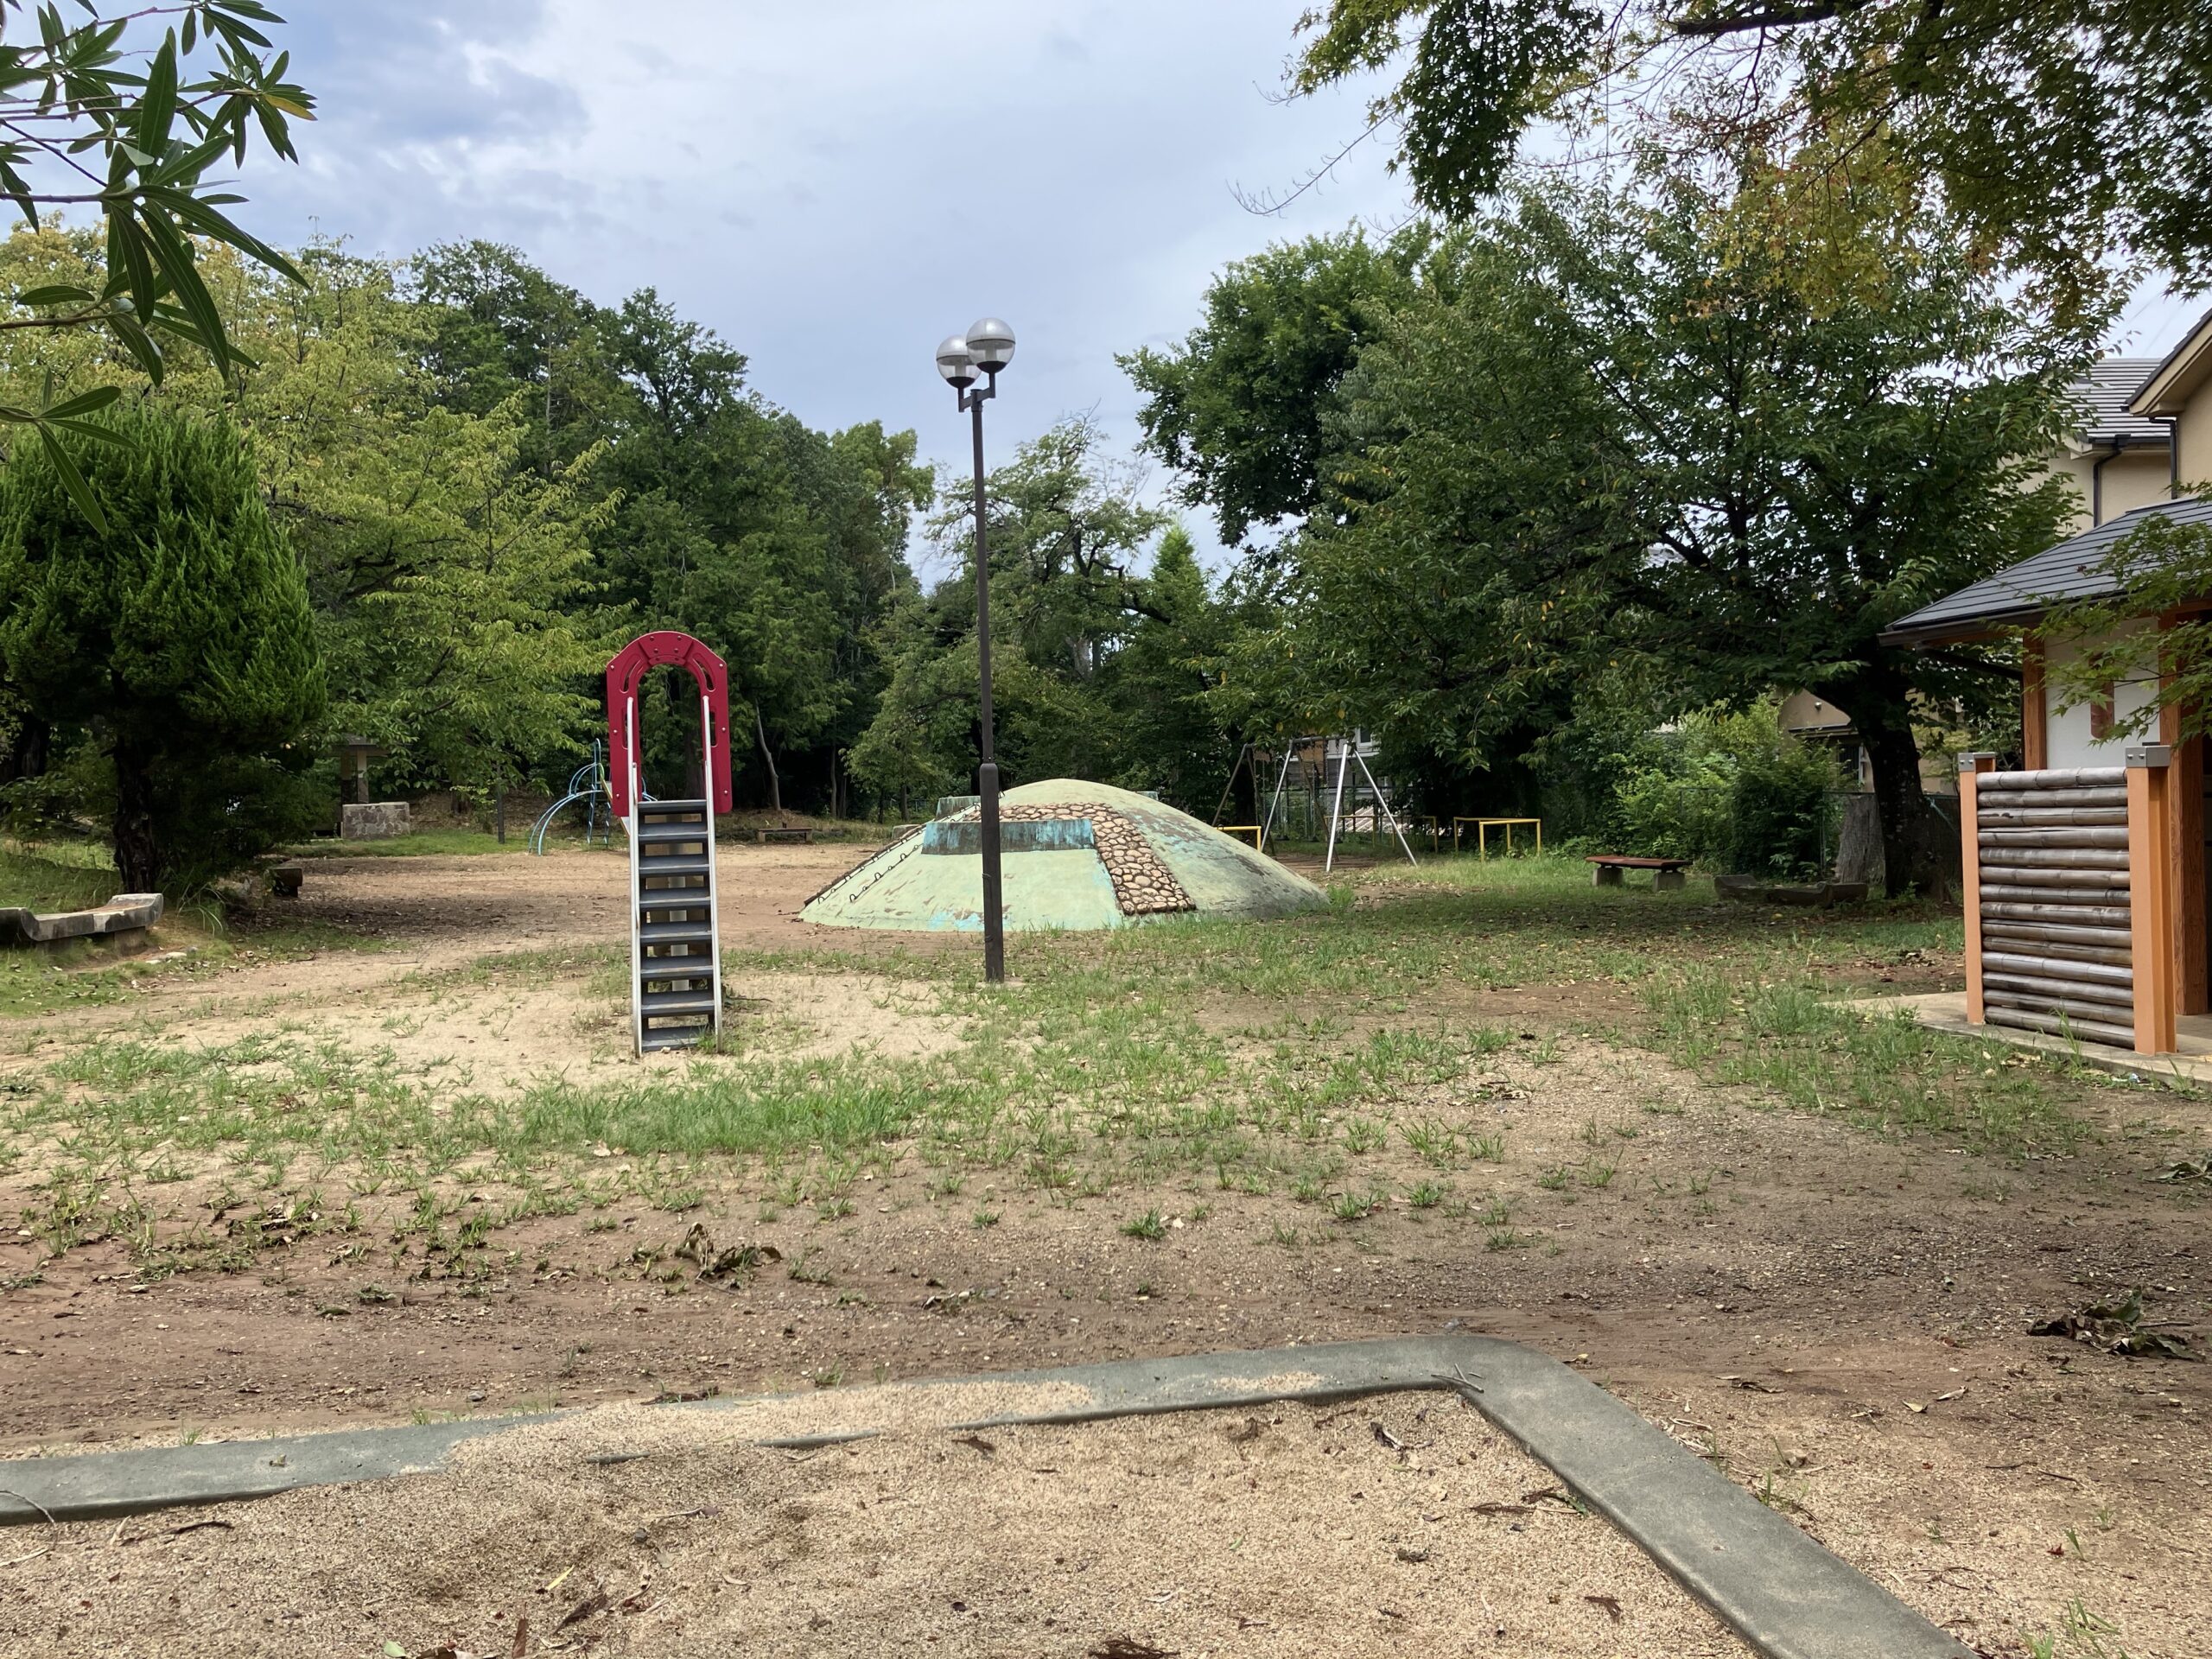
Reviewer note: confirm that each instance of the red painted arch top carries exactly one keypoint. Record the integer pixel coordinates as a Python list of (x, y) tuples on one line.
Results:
[(666, 649)]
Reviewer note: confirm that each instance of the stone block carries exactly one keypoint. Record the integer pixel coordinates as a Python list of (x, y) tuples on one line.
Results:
[(374, 820)]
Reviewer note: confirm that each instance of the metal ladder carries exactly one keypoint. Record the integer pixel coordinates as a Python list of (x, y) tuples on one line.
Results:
[(676, 980)]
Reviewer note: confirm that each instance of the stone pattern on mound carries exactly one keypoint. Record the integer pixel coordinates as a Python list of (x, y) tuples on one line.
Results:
[(1144, 885)]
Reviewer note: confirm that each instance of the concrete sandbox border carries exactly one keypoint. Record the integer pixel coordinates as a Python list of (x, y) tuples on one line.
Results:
[(1784, 1593)]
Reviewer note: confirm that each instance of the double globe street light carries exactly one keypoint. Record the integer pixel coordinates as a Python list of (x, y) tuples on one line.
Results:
[(987, 347)]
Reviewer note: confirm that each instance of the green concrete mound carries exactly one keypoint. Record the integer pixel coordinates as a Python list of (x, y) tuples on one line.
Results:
[(1075, 855)]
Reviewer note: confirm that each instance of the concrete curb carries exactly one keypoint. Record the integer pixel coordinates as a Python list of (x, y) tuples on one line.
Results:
[(1784, 1593)]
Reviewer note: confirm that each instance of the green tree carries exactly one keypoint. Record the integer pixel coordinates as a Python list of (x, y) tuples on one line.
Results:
[(2062, 131), (1067, 535), (1164, 683), (1695, 428), (182, 639), (1237, 408)]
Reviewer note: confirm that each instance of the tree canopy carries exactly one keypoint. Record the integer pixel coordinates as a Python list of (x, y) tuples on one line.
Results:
[(1712, 432), (93, 112), (2066, 134)]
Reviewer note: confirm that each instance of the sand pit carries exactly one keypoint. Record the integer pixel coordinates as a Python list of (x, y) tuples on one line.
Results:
[(1396, 1525)]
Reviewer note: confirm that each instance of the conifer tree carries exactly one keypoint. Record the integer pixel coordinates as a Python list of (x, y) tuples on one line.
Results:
[(181, 637)]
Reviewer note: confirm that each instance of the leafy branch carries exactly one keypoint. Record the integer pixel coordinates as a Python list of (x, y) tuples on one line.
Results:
[(126, 130)]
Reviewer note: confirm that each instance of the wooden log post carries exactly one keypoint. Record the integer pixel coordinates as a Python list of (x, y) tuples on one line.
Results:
[(2152, 897), (1971, 764), (2035, 706)]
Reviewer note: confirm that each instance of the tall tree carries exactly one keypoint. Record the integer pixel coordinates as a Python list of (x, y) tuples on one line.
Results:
[(183, 639), (1237, 409), (1733, 432), (1068, 540)]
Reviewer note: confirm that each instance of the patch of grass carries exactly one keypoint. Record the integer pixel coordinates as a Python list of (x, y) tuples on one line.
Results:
[(1151, 1224), (983, 1220), (1425, 1195), (1885, 1073), (1357, 1207)]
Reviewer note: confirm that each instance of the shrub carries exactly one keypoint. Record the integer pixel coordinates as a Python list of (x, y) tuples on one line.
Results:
[(1729, 790)]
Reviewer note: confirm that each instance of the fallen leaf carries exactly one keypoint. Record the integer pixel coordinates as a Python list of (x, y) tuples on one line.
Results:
[(1123, 1647)]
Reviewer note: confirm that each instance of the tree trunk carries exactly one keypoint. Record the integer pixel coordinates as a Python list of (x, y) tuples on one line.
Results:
[(26, 753), (1858, 845), (137, 859), (1920, 851), (775, 783)]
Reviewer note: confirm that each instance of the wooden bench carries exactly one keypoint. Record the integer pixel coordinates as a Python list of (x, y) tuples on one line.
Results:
[(1666, 873), (786, 835)]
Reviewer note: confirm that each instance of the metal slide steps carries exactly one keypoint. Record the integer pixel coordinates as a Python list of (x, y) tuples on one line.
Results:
[(679, 990)]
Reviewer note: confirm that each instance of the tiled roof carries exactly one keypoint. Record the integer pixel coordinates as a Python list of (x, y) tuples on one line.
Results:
[(2109, 387), (2072, 570)]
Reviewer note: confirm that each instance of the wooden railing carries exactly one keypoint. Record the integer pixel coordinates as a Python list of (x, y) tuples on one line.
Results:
[(2069, 906)]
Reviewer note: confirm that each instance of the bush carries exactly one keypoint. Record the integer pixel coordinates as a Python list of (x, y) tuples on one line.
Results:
[(1781, 811), (1733, 792)]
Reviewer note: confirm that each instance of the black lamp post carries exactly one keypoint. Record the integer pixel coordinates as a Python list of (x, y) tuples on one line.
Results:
[(986, 348)]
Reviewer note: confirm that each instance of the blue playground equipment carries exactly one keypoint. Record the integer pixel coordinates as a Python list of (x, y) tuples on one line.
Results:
[(588, 784)]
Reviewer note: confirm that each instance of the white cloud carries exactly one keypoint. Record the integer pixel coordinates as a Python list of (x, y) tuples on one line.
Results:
[(833, 187)]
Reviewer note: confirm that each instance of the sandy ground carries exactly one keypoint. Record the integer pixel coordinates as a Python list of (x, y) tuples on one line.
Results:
[(1838, 1319), (1292, 1531)]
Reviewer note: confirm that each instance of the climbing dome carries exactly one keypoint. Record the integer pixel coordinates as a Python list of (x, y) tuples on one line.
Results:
[(1075, 856)]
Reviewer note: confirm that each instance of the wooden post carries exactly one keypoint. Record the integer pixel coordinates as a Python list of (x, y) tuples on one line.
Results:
[(1971, 764), (2035, 707), (2185, 818), (2151, 898)]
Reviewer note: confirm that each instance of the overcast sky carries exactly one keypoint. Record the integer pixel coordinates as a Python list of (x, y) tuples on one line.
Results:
[(834, 186)]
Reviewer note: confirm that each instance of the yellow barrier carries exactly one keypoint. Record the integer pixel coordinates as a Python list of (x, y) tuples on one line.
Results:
[(1484, 826)]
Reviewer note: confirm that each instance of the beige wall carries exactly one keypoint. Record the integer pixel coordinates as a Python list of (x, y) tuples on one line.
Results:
[(2196, 438), (2133, 478), (2070, 744), (1803, 712)]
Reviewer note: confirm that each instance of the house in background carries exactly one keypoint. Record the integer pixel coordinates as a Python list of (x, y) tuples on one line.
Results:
[(2086, 871), (2124, 459)]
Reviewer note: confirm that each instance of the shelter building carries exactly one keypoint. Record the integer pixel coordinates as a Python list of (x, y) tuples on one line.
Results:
[(2085, 869)]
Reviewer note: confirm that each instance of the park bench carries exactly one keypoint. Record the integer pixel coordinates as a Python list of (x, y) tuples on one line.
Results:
[(285, 879), (1666, 873), (785, 835)]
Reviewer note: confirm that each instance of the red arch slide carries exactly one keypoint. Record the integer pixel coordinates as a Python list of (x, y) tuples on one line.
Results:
[(665, 649)]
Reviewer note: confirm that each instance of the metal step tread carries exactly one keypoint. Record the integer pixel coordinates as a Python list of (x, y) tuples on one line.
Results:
[(650, 835), (698, 932), (667, 808), (674, 863), (653, 1002), (675, 1036)]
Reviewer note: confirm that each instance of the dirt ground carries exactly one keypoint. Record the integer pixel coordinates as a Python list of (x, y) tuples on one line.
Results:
[(1290, 1532), (1837, 1319)]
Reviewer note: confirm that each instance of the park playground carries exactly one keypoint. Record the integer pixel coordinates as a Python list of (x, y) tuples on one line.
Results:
[(393, 1159)]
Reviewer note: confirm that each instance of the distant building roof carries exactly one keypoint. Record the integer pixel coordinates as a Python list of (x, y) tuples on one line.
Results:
[(2108, 388), (2072, 570)]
